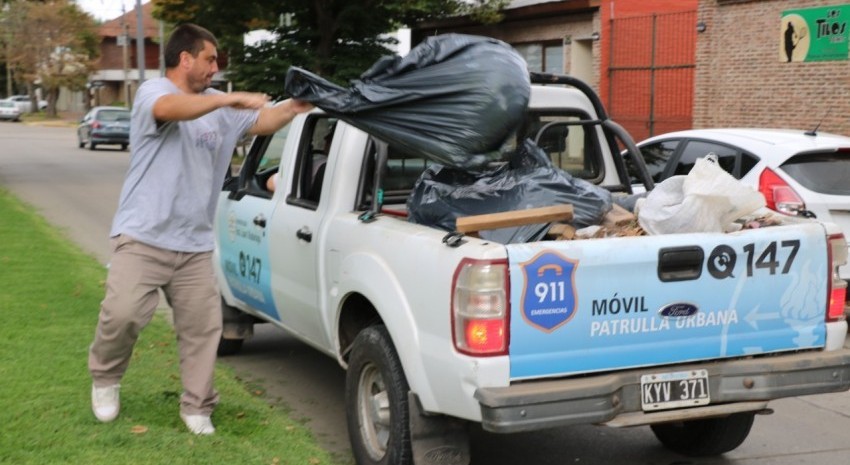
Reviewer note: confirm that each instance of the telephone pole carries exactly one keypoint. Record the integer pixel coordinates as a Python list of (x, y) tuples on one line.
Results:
[(125, 42), (140, 41)]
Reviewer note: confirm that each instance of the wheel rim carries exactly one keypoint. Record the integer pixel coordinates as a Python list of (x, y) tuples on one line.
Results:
[(373, 409)]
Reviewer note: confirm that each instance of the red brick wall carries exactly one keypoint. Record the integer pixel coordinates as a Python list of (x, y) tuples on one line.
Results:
[(741, 81)]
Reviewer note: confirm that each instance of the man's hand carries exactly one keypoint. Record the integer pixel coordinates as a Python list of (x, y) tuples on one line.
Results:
[(300, 106), (273, 118), (247, 100)]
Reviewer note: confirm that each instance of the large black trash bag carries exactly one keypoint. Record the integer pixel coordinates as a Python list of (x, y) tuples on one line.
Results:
[(454, 98), (528, 180)]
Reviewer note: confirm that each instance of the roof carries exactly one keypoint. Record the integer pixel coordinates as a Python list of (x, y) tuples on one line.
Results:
[(524, 3), (112, 28), (764, 140)]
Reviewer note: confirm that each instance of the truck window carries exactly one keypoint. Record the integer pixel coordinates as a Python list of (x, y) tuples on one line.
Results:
[(567, 138), (312, 157), (402, 171)]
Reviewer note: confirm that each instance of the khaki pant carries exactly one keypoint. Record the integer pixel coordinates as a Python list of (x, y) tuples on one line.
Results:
[(137, 271)]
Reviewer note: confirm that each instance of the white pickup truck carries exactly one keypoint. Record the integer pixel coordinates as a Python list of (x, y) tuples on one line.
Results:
[(691, 334)]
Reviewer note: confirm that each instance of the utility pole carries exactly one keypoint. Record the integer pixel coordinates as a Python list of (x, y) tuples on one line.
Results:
[(7, 22), (125, 43), (140, 41)]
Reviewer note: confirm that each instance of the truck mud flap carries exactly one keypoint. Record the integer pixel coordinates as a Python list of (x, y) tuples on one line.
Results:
[(437, 439)]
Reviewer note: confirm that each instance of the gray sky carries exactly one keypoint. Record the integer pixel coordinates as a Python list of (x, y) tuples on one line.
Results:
[(105, 10)]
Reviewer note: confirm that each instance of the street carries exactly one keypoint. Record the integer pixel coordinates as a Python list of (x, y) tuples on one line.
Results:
[(77, 191)]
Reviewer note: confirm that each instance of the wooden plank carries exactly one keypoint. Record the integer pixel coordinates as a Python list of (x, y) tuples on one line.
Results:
[(556, 229), (468, 224), (618, 216), (568, 234)]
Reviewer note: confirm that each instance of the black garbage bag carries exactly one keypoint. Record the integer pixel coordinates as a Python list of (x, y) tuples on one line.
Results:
[(454, 98), (528, 180)]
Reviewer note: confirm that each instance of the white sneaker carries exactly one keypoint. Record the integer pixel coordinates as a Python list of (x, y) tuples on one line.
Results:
[(198, 424), (105, 402)]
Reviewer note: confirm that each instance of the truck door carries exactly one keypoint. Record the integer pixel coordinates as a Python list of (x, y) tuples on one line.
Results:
[(295, 246), (244, 211)]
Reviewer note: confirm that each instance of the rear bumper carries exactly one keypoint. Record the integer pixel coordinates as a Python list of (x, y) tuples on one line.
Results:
[(610, 397), (110, 138)]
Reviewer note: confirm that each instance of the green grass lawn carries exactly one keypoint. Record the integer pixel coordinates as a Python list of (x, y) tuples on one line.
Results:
[(50, 294)]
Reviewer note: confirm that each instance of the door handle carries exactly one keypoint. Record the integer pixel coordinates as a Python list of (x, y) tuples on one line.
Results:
[(680, 263), (304, 234), (260, 220)]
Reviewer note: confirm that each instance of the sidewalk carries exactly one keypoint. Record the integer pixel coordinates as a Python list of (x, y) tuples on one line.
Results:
[(64, 120)]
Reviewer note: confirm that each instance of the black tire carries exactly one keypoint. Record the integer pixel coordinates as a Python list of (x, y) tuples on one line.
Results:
[(92, 145), (229, 346), (376, 404), (708, 437), (123, 147)]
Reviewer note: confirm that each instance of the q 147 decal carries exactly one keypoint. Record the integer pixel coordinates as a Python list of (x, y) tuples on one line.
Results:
[(722, 260)]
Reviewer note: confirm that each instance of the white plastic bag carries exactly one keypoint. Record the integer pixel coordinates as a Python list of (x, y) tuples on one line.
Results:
[(707, 199)]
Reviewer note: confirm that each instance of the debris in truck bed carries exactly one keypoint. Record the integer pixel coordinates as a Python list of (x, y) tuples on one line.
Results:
[(527, 180)]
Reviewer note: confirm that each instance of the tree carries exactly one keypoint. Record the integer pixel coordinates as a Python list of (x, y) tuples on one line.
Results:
[(338, 39), (53, 44)]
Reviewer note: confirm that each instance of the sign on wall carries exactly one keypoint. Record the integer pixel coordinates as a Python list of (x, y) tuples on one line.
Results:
[(815, 34)]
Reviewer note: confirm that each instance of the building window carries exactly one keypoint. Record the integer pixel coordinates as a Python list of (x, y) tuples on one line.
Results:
[(545, 57)]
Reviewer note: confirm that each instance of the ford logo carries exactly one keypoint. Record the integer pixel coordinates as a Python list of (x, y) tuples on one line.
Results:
[(678, 309)]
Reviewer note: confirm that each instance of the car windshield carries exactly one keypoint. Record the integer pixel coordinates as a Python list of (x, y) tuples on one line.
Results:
[(113, 115)]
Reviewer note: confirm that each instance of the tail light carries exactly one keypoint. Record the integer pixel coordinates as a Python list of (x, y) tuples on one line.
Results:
[(779, 195), (95, 124), (480, 307), (837, 286)]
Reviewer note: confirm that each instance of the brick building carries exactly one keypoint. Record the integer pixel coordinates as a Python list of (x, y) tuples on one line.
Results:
[(117, 74), (744, 79)]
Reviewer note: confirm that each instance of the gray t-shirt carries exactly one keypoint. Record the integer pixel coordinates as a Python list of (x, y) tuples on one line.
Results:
[(176, 172)]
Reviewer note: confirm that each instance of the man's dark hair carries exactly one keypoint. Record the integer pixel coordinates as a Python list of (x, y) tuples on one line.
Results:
[(186, 38)]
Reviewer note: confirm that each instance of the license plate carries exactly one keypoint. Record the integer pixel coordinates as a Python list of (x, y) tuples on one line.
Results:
[(661, 391)]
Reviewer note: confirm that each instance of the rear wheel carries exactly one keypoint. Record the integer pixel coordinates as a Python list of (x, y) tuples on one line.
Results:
[(711, 436), (376, 401), (123, 147), (92, 145)]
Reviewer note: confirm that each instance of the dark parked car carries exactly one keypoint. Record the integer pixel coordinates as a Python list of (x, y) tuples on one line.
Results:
[(105, 125)]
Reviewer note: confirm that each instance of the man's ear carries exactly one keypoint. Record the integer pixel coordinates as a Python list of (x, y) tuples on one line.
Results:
[(185, 59)]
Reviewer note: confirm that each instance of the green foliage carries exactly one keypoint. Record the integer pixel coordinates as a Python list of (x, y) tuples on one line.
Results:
[(337, 39), (49, 295), (60, 54)]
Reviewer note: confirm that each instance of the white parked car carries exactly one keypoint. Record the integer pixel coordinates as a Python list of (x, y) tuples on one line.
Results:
[(24, 104), (800, 173), (9, 111)]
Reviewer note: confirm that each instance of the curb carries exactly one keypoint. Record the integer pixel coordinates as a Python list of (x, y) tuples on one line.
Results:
[(51, 124)]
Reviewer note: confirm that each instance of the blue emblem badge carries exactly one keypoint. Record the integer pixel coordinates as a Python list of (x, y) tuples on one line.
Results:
[(549, 294)]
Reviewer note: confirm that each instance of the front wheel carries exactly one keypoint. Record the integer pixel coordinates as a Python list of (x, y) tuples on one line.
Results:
[(376, 401), (708, 437), (229, 346)]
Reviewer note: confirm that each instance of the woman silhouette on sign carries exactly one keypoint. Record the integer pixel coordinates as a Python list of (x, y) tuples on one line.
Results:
[(791, 40)]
